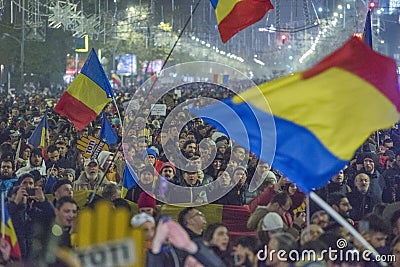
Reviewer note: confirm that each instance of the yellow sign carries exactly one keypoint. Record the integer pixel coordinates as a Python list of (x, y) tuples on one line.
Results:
[(91, 146), (85, 47), (105, 238)]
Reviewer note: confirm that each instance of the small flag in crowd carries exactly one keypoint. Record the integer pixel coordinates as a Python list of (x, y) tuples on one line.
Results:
[(367, 35), (107, 132), (320, 117), (40, 135), (234, 16), (87, 95), (116, 79), (8, 231), (129, 180)]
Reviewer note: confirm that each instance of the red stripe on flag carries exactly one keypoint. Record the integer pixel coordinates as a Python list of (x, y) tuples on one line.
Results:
[(244, 14), (77, 112), (15, 251), (235, 219)]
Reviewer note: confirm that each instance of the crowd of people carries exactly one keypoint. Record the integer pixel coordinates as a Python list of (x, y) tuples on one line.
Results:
[(185, 160)]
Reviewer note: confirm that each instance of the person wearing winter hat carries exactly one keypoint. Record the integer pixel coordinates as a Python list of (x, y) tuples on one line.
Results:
[(147, 224), (150, 158), (36, 162), (30, 201), (90, 177), (147, 204), (69, 174), (35, 175), (168, 170), (145, 182), (377, 183), (271, 223), (62, 188), (221, 147)]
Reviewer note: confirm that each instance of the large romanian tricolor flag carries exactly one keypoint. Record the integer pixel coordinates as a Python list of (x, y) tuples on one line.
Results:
[(235, 15), (313, 121), (87, 95)]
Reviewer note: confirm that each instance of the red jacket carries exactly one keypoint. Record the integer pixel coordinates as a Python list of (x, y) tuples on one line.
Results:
[(265, 197)]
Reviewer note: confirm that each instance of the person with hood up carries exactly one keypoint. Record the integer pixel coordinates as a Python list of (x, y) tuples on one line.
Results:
[(36, 162)]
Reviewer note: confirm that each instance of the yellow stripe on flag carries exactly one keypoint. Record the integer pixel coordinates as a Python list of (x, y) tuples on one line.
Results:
[(89, 93), (224, 7), (320, 99)]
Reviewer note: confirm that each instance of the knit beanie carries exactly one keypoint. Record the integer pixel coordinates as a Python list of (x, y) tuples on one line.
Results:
[(146, 201)]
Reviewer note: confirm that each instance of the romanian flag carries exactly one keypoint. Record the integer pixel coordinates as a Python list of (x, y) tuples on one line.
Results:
[(87, 95), (10, 235), (309, 124), (218, 78), (40, 135), (116, 79), (129, 180), (235, 15)]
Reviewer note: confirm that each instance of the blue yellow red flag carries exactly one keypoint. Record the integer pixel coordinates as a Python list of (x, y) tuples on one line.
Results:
[(235, 15), (8, 231), (316, 119), (40, 135), (87, 95)]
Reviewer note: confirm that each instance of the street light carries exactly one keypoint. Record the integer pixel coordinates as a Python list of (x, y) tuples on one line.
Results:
[(22, 51)]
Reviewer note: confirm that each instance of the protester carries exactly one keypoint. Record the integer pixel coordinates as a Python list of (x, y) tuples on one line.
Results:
[(179, 239), (62, 188), (280, 203), (216, 237), (362, 199), (91, 178), (29, 210), (7, 175), (147, 223), (66, 212), (193, 221), (36, 162)]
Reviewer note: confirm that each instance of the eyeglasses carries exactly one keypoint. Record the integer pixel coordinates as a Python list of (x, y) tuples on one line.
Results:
[(199, 213)]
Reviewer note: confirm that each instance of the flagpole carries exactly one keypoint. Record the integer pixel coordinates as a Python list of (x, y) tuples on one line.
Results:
[(3, 215), (176, 42), (119, 114), (169, 54), (346, 225), (18, 151)]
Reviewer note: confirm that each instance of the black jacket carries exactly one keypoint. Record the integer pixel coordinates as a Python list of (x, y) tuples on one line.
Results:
[(362, 204), (203, 255), (29, 220)]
